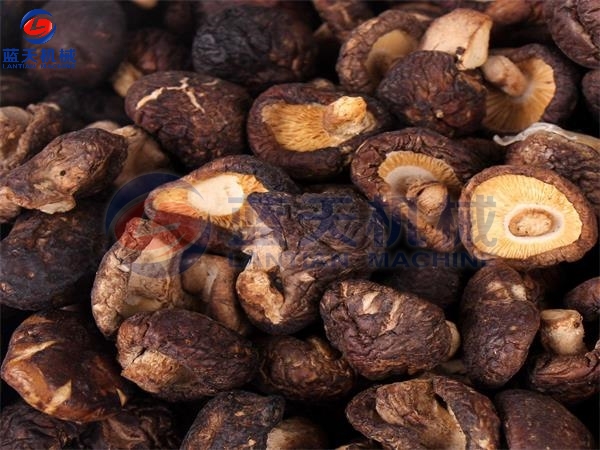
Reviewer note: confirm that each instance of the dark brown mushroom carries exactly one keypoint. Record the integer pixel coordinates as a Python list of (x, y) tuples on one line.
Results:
[(343, 16), (183, 355), (425, 88), (374, 46), (383, 332), (532, 83), (308, 370), (511, 12), (574, 156), (296, 433), (426, 413), (58, 363), (255, 47), (18, 90), (527, 216), (235, 419), (194, 116), (532, 420), (310, 132), (210, 205), (499, 321), (585, 298), (590, 88), (574, 28)]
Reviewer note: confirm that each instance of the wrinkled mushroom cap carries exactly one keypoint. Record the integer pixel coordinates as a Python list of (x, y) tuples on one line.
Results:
[(585, 298)]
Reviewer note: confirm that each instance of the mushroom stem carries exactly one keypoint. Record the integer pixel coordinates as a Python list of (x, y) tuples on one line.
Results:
[(504, 74), (346, 116), (454, 339), (430, 197), (562, 332)]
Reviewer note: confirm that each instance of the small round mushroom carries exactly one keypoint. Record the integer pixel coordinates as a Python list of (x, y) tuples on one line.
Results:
[(532, 420), (374, 46), (194, 116), (383, 332), (499, 321), (527, 216), (58, 363), (425, 88), (255, 47), (574, 156), (574, 28), (181, 355), (427, 413), (310, 132), (585, 298), (529, 84), (306, 370), (343, 16), (590, 88)]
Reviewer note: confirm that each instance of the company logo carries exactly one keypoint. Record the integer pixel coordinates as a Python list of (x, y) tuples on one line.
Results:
[(36, 28)]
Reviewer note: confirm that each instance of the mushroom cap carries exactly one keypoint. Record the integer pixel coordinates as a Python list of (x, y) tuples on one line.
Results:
[(527, 216), (585, 298), (590, 87), (373, 46), (550, 93), (342, 16)]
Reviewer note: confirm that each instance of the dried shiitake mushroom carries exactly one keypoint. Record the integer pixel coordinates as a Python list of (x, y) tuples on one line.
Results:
[(529, 84), (210, 206), (235, 419), (427, 413), (531, 420), (374, 46), (255, 47), (498, 322), (425, 88), (574, 156), (183, 355), (416, 176), (211, 280), (574, 28), (25, 132), (566, 371), (585, 298), (343, 16), (308, 369), (527, 216), (296, 433), (72, 166), (383, 332), (57, 362), (141, 272), (590, 88), (463, 33), (310, 132), (195, 117), (302, 244), (510, 12)]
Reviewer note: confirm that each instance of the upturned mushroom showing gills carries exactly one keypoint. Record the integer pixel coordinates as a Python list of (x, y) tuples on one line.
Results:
[(527, 216)]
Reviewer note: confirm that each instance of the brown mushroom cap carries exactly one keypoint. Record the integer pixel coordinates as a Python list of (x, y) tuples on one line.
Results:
[(498, 324), (343, 16), (310, 132), (574, 28), (531, 420), (529, 84), (585, 298), (590, 88), (382, 332), (57, 362), (295, 433), (527, 216), (572, 155), (372, 48)]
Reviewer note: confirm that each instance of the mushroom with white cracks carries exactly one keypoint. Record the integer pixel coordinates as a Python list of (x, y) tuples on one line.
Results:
[(585, 298), (526, 216), (463, 33)]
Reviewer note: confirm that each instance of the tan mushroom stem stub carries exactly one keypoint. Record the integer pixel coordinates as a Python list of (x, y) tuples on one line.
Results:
[(310, 127), (504, 74), (516, 216), (431, 198), (562, 332), (387, 49)]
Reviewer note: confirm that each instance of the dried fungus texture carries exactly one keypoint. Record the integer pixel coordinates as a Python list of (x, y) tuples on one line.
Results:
[(57, 362), (299, 245), (426, 89), (140, 272), (310, 132), (585, 298), (25, 428), (499, 321), (308, 369), (295, 433), (383, 332), (47, 257), (17, 90), (255, 47), (426, 413), (182, 355), (532, 420), (590, 88), (343, 16), (194, 116), (72, 166), (235, 419)]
